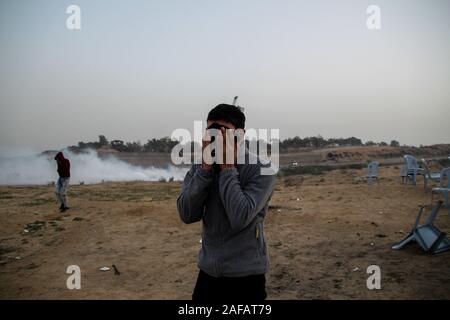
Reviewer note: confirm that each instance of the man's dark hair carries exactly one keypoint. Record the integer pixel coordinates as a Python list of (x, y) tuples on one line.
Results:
[(228, 112)]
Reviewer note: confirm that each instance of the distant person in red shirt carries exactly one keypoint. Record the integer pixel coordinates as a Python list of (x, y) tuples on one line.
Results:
[(62, 185)]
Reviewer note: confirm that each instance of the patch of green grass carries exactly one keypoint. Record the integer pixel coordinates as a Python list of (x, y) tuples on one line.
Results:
[(41, 193), (318, 170), (355, 166), (6, 195), (156, 192), (444, 162), (37, 202), (314, 170)]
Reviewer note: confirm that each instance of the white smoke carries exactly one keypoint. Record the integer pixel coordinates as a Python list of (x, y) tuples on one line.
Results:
[(25, 168)]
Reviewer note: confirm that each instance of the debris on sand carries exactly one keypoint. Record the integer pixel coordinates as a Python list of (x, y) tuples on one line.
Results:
[(380, 235), (276, 244), (31, 266), (34, 226), (104, 269), (5, 250), (116, 271)]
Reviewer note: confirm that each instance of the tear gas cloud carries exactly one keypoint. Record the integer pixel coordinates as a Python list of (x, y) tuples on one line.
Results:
[(24, 167)]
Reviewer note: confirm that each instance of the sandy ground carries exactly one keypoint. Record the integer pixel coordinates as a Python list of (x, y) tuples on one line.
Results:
[(323, 232)]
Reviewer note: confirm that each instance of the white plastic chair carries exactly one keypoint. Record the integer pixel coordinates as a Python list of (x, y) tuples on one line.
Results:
[(445, 173), (412, 169), (428, 175), (372, 171)]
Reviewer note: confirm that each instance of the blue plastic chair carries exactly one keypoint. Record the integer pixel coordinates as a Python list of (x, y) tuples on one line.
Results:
[(428, 175), (372, 171), (411, 168), (445, 174), (427, 236)]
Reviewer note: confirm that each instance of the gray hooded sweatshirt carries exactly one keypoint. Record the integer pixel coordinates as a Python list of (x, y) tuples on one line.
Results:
[(232, 205)]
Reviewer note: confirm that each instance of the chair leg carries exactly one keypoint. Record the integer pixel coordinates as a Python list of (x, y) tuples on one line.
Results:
[(447, 203), (404, 242)]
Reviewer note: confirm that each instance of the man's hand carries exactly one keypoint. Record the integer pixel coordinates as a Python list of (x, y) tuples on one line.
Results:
[(229, 148), (205, 142)]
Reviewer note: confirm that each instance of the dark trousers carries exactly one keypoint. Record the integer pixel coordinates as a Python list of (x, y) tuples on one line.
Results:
[(220, 289)]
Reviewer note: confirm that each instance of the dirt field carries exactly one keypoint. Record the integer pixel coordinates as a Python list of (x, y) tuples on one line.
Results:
[(323, 232)]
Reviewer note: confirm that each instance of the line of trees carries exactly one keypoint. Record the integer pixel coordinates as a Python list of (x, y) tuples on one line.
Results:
[(154, 145), (320, 142), (165, 144)]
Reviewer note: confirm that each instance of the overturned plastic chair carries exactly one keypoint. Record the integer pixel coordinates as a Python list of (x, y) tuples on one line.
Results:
[(372, 171), (427, 236)]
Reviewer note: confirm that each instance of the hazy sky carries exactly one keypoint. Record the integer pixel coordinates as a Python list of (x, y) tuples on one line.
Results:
[(140, 69)]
